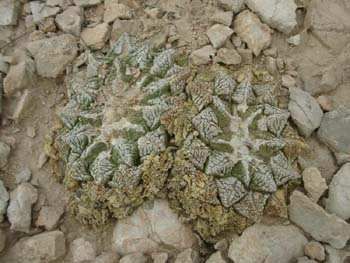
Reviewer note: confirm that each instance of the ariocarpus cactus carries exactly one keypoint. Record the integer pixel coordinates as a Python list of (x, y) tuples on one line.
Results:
[(213, 141)]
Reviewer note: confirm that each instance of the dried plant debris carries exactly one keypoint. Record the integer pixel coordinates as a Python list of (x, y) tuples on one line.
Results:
[(138, 126)]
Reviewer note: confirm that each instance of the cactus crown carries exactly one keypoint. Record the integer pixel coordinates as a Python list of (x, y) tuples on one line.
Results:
[(138, 126)]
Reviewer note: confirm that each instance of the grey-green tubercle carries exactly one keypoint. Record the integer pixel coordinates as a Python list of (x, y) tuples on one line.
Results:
[(139, 126)]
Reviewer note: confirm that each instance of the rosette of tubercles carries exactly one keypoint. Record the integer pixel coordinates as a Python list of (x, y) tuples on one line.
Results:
[(113, 168), (217, 149)]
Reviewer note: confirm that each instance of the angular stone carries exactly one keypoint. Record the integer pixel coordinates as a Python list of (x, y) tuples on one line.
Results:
[(49, 217), (4, 198), (334, 131), (249, 28), (5, 151), (44, 247), (277, 14), (336, 255), (216, 258), (87, 3), (82, 250), (314, 183), (160, 257), (319, 156), (19, 211), (222, 17), (305, 111), (96, 37), (294, 40), (4, 65), (228, 56), (187, 256), (132, 27), (203, 55), (40, 11), (9, 12), (315, 250), (134, 258), (53, 55), (339, 193), (70, 20), (325, 102), (23, 176), (152, 229), (114, 10), (20, 76), (219, 34), (268, 244), (315, 221), (231, 5)]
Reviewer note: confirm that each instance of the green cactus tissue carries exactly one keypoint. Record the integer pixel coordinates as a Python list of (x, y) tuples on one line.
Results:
[(140, 124)]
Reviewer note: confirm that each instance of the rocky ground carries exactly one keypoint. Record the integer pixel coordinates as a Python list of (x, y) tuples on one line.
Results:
[(305, 41)]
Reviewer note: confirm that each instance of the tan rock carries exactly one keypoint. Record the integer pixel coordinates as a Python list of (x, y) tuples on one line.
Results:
[(219, 34), (315, 250), (49, 217), (114, 9), (70, 20), (203, 55), (228, 56), (96, 37), (257, 35), (314, 183)]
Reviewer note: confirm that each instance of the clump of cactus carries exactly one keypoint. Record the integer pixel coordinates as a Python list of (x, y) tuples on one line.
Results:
[(139, 126)]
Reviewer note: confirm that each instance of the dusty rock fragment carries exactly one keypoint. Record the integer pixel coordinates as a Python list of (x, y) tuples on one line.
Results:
[(334, 132), (222, 17), (134, 258), (325, 102), (216, 258), (246, 56), (4, 154), (49, 217), (9, 12), (20, 76), (87, 3), (339, 193), (4, 198), (268, 244), (23, 176), (107, 257), (305, 111), (294, 40), (44, 247), (228, 56), (134, 233), (160, 257), (315, 250), (315, 221), (314, 183), (125, 26), (277, 14), (319, 156), (4, 65), (40, 11), (19, 211), (2, 240), (96, 37), (114, 10), (23, 105), (203, 55), (257, 35), (189, 255), (336, 255), (231, 5), (70, 20), (82, 250), (53, 55), (288, 81), (219, 34)]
